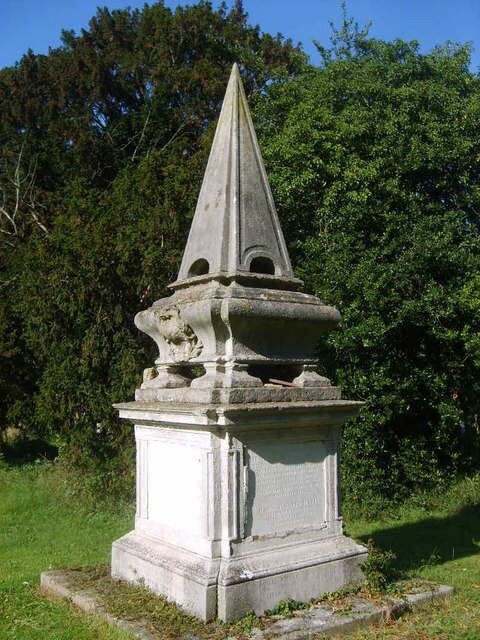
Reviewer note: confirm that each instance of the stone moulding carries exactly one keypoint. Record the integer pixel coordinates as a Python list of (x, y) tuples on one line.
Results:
[(242, 416)]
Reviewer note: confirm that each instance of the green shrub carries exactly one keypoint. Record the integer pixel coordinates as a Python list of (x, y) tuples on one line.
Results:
[(378, 568), (374, 162)]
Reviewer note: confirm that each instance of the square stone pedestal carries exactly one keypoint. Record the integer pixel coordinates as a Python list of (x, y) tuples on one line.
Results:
[(238, 506)]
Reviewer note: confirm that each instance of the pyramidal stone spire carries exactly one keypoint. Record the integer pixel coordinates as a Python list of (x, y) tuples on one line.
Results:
[(235, 230)]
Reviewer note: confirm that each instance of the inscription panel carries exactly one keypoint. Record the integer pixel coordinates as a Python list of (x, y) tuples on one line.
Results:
[(177, 486), (285, 487)]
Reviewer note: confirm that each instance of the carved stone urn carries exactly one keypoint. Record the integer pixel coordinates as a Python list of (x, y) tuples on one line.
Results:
[(236, 309), (237, 435)]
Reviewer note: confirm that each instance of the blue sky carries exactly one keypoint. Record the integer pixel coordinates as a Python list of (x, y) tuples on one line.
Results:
[(37, 24)]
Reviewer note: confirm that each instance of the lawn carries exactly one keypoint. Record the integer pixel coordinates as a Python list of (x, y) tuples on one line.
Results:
[(45, 524), (438, 540)]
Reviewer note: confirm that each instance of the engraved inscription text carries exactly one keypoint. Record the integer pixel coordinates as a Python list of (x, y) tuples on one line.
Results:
[(285, 487)]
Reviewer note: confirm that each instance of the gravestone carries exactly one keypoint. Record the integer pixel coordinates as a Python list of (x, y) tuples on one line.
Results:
[(237, 436)]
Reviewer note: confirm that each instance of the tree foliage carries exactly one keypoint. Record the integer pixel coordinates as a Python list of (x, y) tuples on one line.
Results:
[(375, 163), (104, 142)]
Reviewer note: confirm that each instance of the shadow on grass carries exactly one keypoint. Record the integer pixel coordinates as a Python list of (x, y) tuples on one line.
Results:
[(24, 451), (432, 540)]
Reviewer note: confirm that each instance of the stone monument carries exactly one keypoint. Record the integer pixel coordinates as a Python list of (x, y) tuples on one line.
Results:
[(237, 435)]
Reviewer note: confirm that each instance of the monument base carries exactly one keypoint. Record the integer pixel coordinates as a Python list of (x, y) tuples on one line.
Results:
[(231, 588), (238, 506)]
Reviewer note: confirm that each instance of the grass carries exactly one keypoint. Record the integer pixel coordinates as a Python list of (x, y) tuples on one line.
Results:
[(157, 615), (436, 537), (45, 524)]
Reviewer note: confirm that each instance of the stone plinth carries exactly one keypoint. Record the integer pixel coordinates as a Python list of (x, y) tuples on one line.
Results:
[(238, 506)]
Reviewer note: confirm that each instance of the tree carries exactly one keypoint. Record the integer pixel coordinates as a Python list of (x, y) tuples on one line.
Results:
[(108, 137), (374, 160)]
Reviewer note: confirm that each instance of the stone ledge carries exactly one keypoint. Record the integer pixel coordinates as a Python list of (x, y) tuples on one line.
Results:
[(59, 584), (306, 413), (359, 613), (355, 613)]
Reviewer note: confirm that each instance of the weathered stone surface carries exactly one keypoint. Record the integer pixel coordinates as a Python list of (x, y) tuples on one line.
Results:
[(240, 502), (326, 620), (61, 584), (245, 416), (259, 582), (236, 301), (236, 325), (237, 395), (237, 468), (181, 576), (235, 204)]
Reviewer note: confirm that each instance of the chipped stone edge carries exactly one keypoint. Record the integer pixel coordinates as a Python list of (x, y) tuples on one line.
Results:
[(349, 623), (56, 583)]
